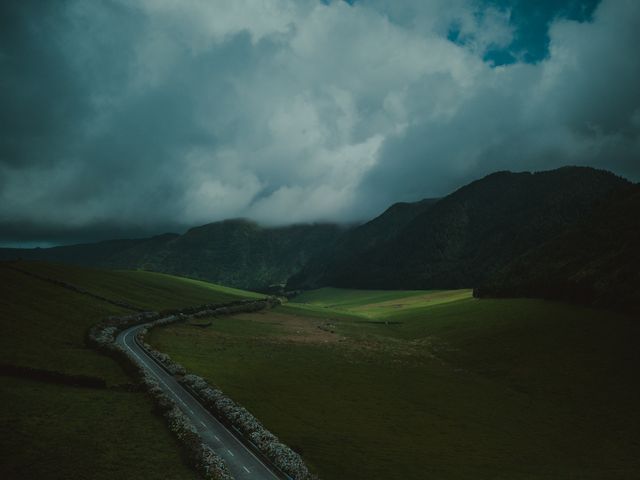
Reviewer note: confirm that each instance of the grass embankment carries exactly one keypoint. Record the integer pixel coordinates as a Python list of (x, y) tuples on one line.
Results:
[(56, 431), (377, 385), (147, 290)]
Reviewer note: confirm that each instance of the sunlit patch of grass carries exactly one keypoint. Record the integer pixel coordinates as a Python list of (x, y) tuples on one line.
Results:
[(374, 303), (348, 298)]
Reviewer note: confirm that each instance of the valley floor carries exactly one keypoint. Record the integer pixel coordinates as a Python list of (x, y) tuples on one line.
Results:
[(414, 385)]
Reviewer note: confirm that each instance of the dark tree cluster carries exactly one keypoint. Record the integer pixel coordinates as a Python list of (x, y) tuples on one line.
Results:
[(596, 261)]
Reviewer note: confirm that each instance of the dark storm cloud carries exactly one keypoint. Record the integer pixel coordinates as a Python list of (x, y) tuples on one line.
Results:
[(33, 75), (124, 118)]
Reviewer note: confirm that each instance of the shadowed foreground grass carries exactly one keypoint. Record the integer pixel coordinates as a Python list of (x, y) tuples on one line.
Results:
[(504, 389), (52, 431), (58, 432)]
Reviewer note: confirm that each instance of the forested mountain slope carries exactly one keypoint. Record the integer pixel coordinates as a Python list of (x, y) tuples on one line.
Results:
[(358, 241), (596, 262), (237, 253), (467, 236)]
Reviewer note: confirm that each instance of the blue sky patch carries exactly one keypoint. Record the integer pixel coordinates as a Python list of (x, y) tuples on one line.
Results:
[(531, 20)]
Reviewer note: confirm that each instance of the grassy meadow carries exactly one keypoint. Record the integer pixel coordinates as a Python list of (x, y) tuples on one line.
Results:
[(431, 384), (54, 431), (374, 303), (142, 289)]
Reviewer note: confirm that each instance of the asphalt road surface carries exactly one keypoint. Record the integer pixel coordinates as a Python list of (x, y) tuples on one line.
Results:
[(242, 463)]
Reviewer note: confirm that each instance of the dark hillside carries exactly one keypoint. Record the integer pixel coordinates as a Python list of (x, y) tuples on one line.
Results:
[(243, 254), (595, 262), (83, 254), (237, 253), (472, 233), (358, 241)]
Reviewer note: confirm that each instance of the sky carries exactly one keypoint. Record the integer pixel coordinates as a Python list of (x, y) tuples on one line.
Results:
[(126, 118)]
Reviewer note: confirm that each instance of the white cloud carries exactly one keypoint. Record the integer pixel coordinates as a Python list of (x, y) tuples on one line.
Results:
[(575, 107), (284, 110), (201, 22)]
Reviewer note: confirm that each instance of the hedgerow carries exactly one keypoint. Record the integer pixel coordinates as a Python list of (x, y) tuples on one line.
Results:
[(200, 455)]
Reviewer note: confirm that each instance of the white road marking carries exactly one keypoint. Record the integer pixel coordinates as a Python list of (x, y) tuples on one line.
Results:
[(203, 424), (246, 469), (206, 412), (230, 452), (158, 377)]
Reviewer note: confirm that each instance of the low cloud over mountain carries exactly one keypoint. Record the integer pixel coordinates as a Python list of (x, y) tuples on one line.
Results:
[(128, 118)]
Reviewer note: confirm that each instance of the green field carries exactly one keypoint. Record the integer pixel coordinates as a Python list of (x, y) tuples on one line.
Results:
[(413, 385), (374, 303), (148, 290), (53, 431)]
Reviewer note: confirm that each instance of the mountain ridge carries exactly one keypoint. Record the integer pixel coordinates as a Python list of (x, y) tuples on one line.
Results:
[(467, 235), (462, 240), (235, 252)]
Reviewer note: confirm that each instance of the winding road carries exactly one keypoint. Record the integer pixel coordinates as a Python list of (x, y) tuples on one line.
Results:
[(242, 462)]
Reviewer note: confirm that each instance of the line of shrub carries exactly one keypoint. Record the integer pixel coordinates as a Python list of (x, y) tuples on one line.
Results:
[(102, 336), (198, 453), (239, 417), (221, 406), (206, 461)]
